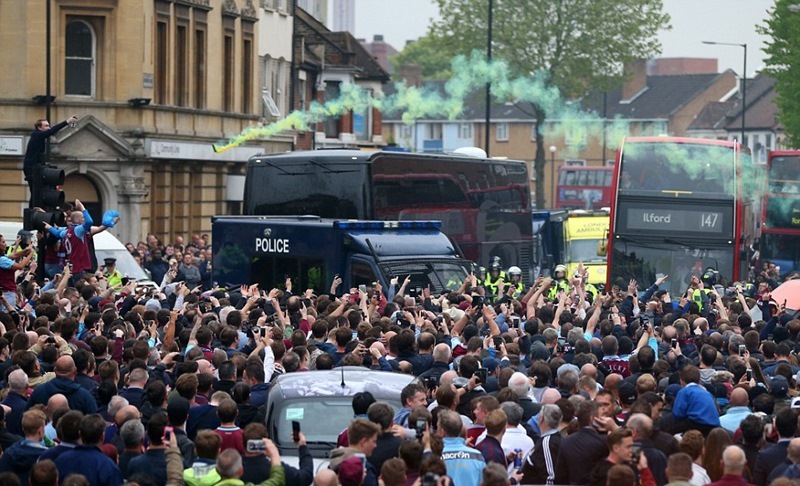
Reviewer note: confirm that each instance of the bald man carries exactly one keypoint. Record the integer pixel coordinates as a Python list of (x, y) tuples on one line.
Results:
[(79, 398), (738, 410), (733, 462), (326, 477), (55, 403)]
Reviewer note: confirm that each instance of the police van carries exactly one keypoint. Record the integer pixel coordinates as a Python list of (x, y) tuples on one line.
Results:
[(313, 251)]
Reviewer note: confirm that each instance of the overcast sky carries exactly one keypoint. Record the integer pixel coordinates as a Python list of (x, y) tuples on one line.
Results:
[(693, 21)]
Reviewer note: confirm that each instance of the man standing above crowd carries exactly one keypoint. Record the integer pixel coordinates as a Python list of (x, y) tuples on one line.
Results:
[(76, 239), (37, 141)]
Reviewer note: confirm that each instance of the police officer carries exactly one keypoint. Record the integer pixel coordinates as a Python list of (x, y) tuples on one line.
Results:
[(560, 282), (515, 276), (496, 274), (709, 279), (111, 273)]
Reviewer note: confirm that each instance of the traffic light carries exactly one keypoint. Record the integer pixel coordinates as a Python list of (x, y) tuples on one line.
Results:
[(47, 197)]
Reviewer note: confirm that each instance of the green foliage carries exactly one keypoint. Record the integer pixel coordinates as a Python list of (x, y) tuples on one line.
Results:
[(581, 44), (427, 53), (783, 51)]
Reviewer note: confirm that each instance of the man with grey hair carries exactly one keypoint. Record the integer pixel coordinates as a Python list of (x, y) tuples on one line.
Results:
[(521, 386), (515, 437), (791, 467), (132, 435), (642, 426), (230, 469), (440, 365), (16, 400), (539, 466), (464, 464)]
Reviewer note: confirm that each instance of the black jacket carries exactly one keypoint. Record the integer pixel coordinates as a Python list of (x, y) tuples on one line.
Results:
[(36, 145), (586, 444), (387, 448), (257, 469), (540, 465), (767, 460)]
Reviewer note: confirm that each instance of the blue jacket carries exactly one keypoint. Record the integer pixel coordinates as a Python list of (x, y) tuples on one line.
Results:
[(92, 463), (18, 405), (465, 465), (695, 403), (79, 398), (20, 458), (259, 394)]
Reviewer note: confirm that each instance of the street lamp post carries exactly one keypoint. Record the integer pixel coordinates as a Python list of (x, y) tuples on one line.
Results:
[(744, 79), (553, 150), (488, 114)]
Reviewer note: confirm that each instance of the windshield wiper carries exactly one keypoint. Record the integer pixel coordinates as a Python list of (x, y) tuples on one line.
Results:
[(328, 169)]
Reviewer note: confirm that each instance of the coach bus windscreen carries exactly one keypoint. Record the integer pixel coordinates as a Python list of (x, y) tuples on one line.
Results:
[(647, 261), (326, 188), (679, 169)]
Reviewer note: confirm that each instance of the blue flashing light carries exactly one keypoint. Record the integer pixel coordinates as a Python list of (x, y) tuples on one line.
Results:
[(376, 225)]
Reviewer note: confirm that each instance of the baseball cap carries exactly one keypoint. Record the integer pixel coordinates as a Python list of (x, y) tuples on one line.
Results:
[(627, 392), (796, 402), (490, 364), (778, 386)]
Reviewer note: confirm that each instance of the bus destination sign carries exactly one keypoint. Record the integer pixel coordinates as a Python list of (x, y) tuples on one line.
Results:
[(707, 222)]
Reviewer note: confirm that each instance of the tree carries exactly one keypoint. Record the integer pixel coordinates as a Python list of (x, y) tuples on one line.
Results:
[(581, 45), (427, 54), (783, 50)]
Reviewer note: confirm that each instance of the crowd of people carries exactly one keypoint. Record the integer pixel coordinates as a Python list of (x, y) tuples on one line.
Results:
[(105, 382)]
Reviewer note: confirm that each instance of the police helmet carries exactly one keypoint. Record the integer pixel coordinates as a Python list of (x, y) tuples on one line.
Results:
[(710, 276), (560, 268), (514, 271), (495, 267)]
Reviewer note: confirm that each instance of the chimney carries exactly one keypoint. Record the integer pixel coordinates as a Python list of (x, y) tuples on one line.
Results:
[(637, 79), (377, 38)]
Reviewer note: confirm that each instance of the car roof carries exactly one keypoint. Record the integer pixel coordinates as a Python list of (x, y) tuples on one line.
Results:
[(382, 385)]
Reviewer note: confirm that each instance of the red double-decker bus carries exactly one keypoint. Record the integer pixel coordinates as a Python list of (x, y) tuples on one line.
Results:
[(680, 206), (584, 187), (780, 229)]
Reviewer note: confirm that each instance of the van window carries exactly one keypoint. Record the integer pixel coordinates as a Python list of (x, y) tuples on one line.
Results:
[(361, 273), (306, 273)]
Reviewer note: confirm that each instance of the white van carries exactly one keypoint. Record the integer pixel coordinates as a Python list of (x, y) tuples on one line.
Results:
[(106, 245)]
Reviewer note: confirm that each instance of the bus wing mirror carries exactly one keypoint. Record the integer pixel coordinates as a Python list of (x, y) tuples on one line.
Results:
[(602, 246)]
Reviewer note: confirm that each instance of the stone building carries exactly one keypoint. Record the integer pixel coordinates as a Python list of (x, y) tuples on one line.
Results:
[(154, 83)]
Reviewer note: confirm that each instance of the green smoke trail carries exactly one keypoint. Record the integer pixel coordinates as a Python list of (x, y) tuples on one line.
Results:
[(412, 103)]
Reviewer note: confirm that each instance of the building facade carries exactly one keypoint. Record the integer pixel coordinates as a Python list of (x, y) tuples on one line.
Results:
[(154, 83)]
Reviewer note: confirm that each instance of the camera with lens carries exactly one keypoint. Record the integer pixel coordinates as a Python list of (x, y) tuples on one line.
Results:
[(430, 382), (430, 479), (419, 428)]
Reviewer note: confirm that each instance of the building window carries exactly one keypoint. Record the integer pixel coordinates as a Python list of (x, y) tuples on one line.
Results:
[(404, 132), (362, 122), (200, 68), (433, 131), (575, 163), (162, 41), (501, 132), (465, 131), (227, 73), (575, 135), (80, 59), (247, 75), (182, 66), (332, 91), (610, 162)]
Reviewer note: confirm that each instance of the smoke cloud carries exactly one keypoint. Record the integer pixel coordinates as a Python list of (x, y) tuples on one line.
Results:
[(469, 75)]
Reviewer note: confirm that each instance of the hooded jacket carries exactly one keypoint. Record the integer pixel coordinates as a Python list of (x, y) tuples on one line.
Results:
[(20, 458), (78, 397)]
